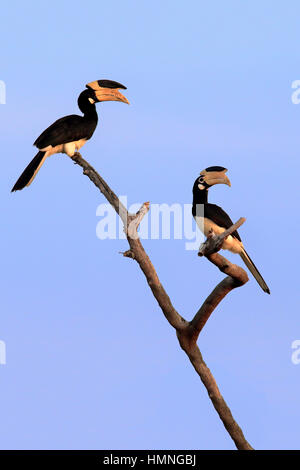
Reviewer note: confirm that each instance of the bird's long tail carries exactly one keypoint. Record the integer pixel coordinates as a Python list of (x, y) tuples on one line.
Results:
[(30, 171), (253, 269)]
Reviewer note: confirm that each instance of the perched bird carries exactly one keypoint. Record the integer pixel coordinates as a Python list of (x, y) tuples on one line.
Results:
[(70, 133), (212, 217)]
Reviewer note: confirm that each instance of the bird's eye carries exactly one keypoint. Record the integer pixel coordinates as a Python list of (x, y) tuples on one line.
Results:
[(201, 179)]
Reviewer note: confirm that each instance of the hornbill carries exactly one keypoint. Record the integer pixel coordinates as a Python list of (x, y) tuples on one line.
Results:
[(212, 217), (70, 133)]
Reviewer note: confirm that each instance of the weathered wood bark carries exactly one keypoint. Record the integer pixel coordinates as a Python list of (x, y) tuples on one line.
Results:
[(187, 331)]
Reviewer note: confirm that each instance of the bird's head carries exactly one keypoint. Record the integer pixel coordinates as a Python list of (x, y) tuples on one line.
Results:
[(209, 177), (105, 90)]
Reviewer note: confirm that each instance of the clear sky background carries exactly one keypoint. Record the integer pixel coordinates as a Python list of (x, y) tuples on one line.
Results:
[(91, 361)]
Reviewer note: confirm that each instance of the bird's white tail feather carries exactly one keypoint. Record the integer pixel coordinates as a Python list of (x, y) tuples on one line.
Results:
[(253, 269)]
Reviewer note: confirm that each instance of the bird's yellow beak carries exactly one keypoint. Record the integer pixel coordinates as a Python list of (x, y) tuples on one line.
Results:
[(107, 93), (215, 177)]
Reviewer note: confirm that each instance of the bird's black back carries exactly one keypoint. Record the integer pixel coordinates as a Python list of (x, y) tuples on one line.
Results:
[(217, 215), (67, 129)]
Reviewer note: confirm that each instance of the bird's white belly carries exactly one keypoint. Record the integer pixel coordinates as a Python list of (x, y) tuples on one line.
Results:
[(69, 148), (230, 243)]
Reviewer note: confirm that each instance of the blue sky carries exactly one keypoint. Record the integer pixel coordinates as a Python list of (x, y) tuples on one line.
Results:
[(91, 361)]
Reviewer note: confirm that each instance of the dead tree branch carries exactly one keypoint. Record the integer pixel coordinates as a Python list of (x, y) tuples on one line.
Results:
[(187, 332)]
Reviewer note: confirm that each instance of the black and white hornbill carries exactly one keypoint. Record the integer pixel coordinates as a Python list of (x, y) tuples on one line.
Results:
[(212, 217), (70, 133)]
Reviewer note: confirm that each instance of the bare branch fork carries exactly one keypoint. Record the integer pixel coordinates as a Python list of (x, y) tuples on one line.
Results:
[(187, 331)]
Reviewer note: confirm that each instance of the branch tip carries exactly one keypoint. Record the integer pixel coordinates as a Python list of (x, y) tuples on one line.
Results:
[(213, 242), (127, 254)]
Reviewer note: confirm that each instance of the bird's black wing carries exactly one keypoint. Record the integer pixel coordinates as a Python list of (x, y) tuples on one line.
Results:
[(64, 130), (219, 217)]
